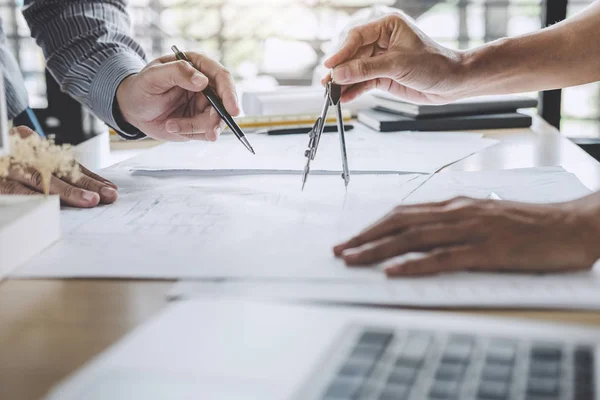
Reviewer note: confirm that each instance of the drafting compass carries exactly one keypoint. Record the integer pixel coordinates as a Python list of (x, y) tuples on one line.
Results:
[(333, 93)]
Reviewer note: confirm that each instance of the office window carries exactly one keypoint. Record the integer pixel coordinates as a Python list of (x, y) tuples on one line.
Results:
[(283, 41)]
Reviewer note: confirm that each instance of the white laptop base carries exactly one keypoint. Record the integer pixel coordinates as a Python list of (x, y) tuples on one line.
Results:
[(227, 349)]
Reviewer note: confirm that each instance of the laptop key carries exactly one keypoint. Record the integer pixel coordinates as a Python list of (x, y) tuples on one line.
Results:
[(415, 350), (458, 353), (501, 352), (375, 338), (343, 389), (489, 390), (584, 355), (450, 372), (585, 393), (444, 390), (497, 372), (355, 370), (544, 369), (543, 386), (402, 375), (458, 349), (395, 392), (368, 354), (546, 352)]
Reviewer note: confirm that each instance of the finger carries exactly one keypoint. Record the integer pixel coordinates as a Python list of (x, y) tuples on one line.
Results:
[(160, 78), (222, 80), (97, 177), (411, 240), (326, 79), (408, 216), (357, 37), (448, 259), (22, 130), (226, 92), (361, 70), (359, 89), (207, 124), (8, 186), (108, 195), (69, 195)]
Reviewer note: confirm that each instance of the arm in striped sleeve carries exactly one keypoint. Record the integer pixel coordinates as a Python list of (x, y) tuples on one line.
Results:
[(89, 50)]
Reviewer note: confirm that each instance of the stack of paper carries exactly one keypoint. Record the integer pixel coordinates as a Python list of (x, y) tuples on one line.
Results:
[(368, 152), (246, 226), (579, 290)]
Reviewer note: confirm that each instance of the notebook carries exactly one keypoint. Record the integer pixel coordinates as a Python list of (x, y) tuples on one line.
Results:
[(388, 122), (476, 105)]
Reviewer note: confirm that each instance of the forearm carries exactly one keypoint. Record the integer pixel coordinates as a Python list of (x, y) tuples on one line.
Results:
[(566, 54), (88, 48)]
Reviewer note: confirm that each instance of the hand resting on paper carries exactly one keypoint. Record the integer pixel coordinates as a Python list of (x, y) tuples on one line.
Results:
[(482, 235), (87, 191)]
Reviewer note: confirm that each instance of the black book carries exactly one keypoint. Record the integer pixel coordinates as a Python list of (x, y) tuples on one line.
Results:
[(477, 105), (389, 122)]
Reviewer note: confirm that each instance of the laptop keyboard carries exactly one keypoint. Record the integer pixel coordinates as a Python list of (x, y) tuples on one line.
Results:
[(385, 364)]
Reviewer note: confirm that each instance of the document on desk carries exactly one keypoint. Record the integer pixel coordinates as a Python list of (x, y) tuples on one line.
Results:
[(256, 226), (368, 152), (232, 226), (579, 290), (530, 185)]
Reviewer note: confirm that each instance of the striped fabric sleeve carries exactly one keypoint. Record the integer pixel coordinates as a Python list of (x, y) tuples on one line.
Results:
[(89, 50)]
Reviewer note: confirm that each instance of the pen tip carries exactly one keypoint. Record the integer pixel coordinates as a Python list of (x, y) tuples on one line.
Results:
[(246, 143)]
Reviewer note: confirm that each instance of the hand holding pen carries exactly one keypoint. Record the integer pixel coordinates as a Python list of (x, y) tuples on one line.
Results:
[(217, 104), (165, 100)]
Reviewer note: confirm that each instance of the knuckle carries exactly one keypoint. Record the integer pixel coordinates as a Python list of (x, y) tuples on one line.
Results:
[(393, 18), (8, 187), (362, 68), (355, 32), (86, 184), (182, 66), (413, 237), (36, 179), (194, 127), (371, 253), (68, 192), (224, 74)]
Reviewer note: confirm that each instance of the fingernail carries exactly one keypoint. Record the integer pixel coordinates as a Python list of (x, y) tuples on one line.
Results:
[(337, 250), (218, 132), (89, 196), (341, 75), (350, 255), (108, 192), (172, 127), (198, 79)]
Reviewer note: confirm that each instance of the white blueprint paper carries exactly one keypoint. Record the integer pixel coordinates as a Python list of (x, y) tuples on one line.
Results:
[(368, 151)]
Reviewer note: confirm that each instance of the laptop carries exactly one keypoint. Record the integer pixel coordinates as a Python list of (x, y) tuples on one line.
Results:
[(218, 348)]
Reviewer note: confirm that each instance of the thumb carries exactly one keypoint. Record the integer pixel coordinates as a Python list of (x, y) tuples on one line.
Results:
[(365, 69)]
